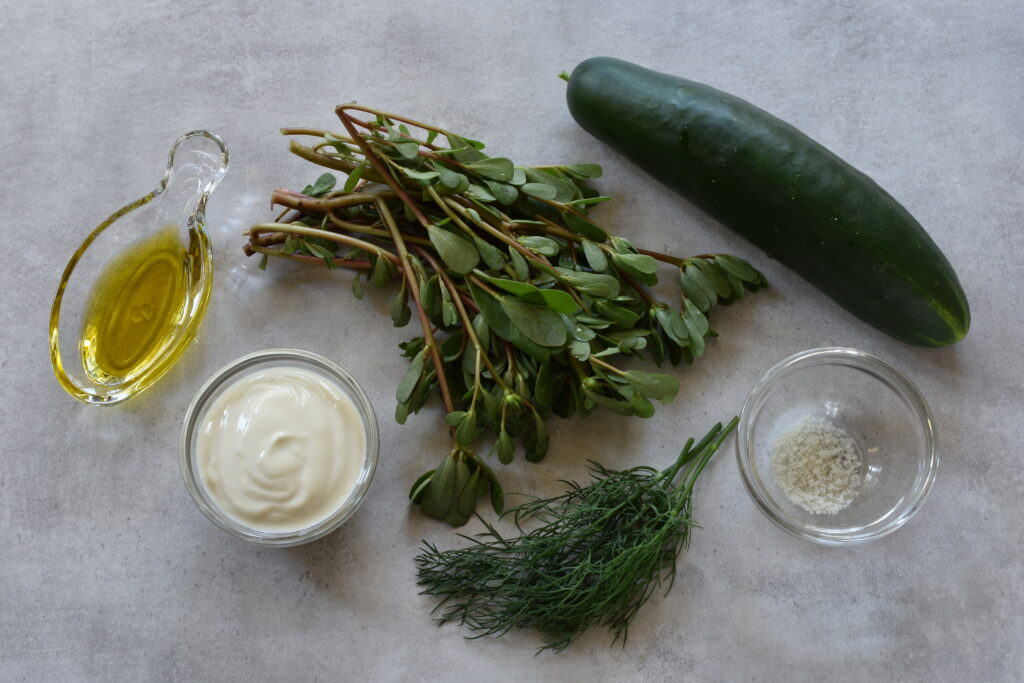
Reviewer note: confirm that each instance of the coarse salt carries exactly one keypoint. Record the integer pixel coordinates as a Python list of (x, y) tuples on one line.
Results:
[(816, 465)]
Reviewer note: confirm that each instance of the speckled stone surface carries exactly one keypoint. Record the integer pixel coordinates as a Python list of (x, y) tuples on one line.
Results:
[(107, 569)]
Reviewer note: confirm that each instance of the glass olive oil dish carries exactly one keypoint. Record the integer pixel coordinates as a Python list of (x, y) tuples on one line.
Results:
[(134, 294)]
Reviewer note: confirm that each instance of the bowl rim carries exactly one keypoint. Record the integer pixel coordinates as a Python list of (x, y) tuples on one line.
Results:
[(197, 409), (861, 360)]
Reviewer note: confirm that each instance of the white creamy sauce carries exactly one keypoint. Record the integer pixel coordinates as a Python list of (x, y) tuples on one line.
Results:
[(281, 449)]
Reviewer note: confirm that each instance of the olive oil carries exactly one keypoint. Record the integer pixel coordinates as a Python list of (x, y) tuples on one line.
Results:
[(136, 307)]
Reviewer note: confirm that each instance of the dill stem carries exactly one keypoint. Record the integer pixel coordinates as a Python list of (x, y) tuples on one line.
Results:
[(694, 472)]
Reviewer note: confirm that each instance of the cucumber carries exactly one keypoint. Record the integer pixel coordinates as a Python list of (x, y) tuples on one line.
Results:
[(781, 190)]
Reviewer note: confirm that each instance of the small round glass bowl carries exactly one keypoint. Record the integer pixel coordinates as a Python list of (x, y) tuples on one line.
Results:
[(221, 380), (880, 409)]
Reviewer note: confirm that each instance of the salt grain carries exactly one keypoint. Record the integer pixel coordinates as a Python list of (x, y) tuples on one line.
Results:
[(816, 465)]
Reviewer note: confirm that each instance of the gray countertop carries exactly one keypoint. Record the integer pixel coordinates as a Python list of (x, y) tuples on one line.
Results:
[(108, 570)]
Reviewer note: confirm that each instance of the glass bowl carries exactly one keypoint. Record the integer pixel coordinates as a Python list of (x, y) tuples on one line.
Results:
[(877, 406), (248, 364)]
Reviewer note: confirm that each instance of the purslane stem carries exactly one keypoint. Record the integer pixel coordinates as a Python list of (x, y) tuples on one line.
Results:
[(378, 166), (356, 264), (371, 126), (394, 117), (414, 289), (607, 366), (675, 261), (367, 230), (644, 294), (466, 322), (315, 132), (255, 230), (491, 230), (447, 209), (382, 172), (337, 164), (307, 204), (527, 253), (548, 229)]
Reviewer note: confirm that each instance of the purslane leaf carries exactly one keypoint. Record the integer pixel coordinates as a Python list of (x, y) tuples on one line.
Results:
[(419, 486), (353, 178), (479, 193), (447, 177), (715, 277), (466, 433), (595, 256), (657, 386), (700, 321), (407, 150), (499, 323), (539, 324), (399, 310), (584, 170), (592, 284), (458, 254), (693, 291), (545, 246), (615, 405), (582, 226), (504, 193), (320, 186), (740, 268), (495, 168), (544, 388), (565, 191), (504, 448), (555, 299), (411, 377), (580, 350), (424, 176), (519, 265), (539, 190), (697, 277), (696, 338), (588, 201), (538, 441), (620, 315), (491, 255), (638, 266)]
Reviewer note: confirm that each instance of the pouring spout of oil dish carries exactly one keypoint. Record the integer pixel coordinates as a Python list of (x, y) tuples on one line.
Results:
[(195, 166)]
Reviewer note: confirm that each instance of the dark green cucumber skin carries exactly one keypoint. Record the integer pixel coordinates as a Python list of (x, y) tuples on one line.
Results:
[(781, 190)]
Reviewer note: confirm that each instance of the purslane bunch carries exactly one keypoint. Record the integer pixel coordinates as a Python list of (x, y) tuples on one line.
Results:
[(526, 305)]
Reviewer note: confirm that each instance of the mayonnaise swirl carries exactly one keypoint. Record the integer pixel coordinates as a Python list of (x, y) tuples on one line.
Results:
[(281, 449)]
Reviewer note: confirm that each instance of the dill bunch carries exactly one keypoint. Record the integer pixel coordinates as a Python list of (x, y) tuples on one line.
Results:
[(596, 555)]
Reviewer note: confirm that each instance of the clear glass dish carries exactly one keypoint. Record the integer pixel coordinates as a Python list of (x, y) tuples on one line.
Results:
[(211, 390), (176, 209), (877, 405)]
